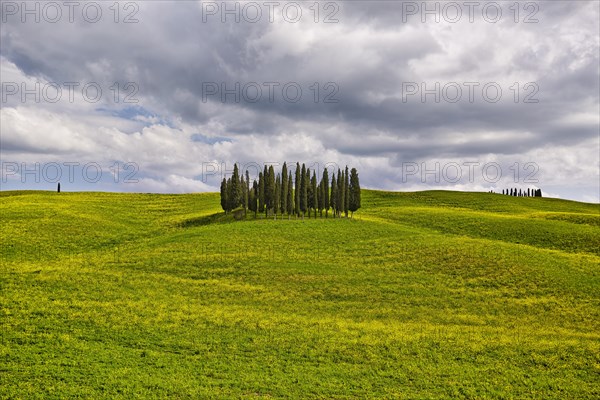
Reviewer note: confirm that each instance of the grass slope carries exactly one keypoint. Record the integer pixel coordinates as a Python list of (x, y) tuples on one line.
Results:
[(422, 295)]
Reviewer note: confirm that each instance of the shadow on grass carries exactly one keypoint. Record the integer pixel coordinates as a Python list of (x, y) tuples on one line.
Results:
[(219, 218)]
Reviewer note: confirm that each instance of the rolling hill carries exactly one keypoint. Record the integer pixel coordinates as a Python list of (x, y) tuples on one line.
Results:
[(421, 295)]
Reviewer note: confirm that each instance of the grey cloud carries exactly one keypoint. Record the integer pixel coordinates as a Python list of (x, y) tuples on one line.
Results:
[(171, 53)]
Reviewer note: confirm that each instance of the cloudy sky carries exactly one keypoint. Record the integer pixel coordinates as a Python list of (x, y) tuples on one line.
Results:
[(164, 96)]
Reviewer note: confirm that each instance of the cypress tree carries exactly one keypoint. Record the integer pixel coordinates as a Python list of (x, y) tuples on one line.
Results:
[(261, 192), (229, 194), (236, 188), (247, 197), (321, 197), (224, 201), (333, 198), (303, 190), (270, 190), (325, 181), (354, 192), (297, 190), (253, 198), (346, 192), (315, 193), (308, 192), (290, 197), (339, 193), (244, 197), (284, 188), (277, 196), (266, 195), (310, 196)]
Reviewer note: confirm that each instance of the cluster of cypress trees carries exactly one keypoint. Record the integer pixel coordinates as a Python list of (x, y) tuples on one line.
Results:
[(298, 194), (523, 193)]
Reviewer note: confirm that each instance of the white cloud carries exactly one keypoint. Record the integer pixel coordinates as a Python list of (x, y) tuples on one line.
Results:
[(170, 53)]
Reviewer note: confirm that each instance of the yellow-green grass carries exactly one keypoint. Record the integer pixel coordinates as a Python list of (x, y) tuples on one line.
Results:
[(421, 295)]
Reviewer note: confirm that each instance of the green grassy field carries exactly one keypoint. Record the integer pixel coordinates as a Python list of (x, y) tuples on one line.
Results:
[(421, 295)]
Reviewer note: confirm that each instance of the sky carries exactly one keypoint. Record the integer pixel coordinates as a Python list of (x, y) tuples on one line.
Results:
[(165, 96)]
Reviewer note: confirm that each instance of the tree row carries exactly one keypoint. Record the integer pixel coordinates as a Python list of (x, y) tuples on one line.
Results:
[(298, 194), (521, 193)]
